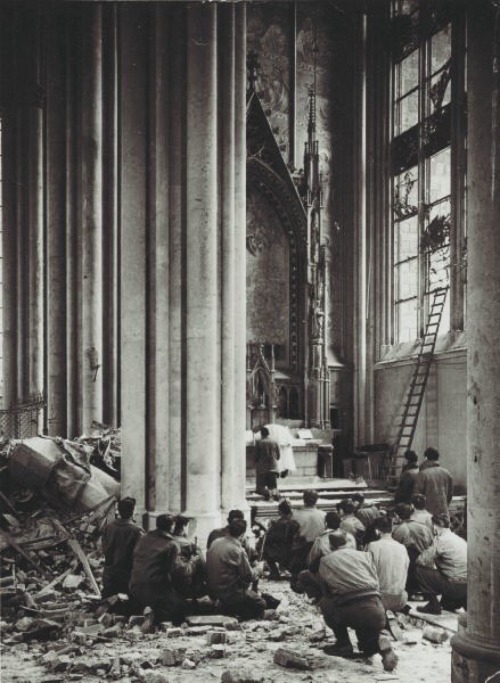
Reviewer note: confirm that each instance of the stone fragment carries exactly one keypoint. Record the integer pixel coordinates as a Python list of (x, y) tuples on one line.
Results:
[(24, 624), (434, 634), (188, 664), (209, 620), (174, 632), (217, 651), (242, 675), (72, 582), (113, 632), (290, 660), (107, 619), (197, 630), (136, 620), (216, 637), (173, 656), (154, 677), (317, 636)]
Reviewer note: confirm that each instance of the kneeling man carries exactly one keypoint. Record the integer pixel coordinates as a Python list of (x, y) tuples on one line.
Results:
[(352, 600)]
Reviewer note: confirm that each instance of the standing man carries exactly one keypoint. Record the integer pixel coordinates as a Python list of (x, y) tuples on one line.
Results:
[(118, 540), (267, 454), (408, 478), (436, 483), (351, 599)]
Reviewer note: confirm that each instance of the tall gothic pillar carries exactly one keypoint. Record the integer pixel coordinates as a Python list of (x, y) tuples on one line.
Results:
[(476, 649)]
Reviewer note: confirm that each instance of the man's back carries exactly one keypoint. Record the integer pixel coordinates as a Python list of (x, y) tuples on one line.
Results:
[(228, 568), (267, 454), (414, 533), (311, 522), (391, 563), (436, 483), (118, 541), (451, 556), (154, 557), (346, 571)]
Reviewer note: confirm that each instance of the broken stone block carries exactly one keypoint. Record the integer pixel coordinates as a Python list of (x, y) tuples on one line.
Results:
[(215, 637), (434, 634), (173, 656), (290, 660), (136, 620), (61, 663), (72, 582), (49, 657), (154, 677), (24, 624), (197, 630), (209, 620), (277, 636), (318, 636), (107, 619), (188, 664), (113, 632), (241, 675), (217, 651), (174, 632)]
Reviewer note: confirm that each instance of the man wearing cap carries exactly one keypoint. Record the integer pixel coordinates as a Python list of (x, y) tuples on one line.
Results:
[(118, 541), (155, 558)]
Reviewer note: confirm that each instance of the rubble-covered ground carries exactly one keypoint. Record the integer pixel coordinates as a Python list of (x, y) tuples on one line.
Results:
[(81, 642)]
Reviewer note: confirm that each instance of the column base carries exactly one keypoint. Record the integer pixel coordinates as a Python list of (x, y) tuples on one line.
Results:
[(471, 660)]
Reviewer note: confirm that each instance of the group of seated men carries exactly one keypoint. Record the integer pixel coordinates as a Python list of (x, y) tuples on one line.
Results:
[(356, 563)]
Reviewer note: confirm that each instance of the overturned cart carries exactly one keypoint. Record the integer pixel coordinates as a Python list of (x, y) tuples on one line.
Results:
[(61, 472)]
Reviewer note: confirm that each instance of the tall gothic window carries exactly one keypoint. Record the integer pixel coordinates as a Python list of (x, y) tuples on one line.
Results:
[(427, 64)]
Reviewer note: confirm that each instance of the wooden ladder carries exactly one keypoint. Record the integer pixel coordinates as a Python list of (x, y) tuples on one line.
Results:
[(415, 396)]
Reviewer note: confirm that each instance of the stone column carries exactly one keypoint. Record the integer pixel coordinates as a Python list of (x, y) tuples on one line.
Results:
[(202, 341), (229, 457), (240, 256), (476, 650), (91, 217)]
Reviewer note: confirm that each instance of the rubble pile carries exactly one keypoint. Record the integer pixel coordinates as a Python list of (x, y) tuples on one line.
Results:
[(104, 446)]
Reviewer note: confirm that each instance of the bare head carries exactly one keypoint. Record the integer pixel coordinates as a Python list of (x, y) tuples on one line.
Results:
[(310, 498)]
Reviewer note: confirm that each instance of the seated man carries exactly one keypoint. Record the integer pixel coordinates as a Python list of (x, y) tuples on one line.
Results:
[(311, 525), (155, 558), (278, 540), (118, 540), (391, 563), (350, 523), (230, 574), (352, 600), (442, 570), (309, 578), (415, 536)]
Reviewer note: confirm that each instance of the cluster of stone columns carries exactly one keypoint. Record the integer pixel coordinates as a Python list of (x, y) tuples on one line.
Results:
[(476, 648), (136, 161)]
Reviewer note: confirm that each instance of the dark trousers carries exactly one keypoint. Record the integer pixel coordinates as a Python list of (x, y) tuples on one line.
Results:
[(248, 605), (266, 483), (366, 615), (432, 583), (300, 551)]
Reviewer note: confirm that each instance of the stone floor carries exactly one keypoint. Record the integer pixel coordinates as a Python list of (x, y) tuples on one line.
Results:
[(246, 657)]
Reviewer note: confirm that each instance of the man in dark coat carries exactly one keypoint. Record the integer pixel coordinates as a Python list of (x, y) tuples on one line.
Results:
[(278, 540), (267, 454), (155, 559), (230, 575), (436, 483), (408, 478), (118, 540)]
